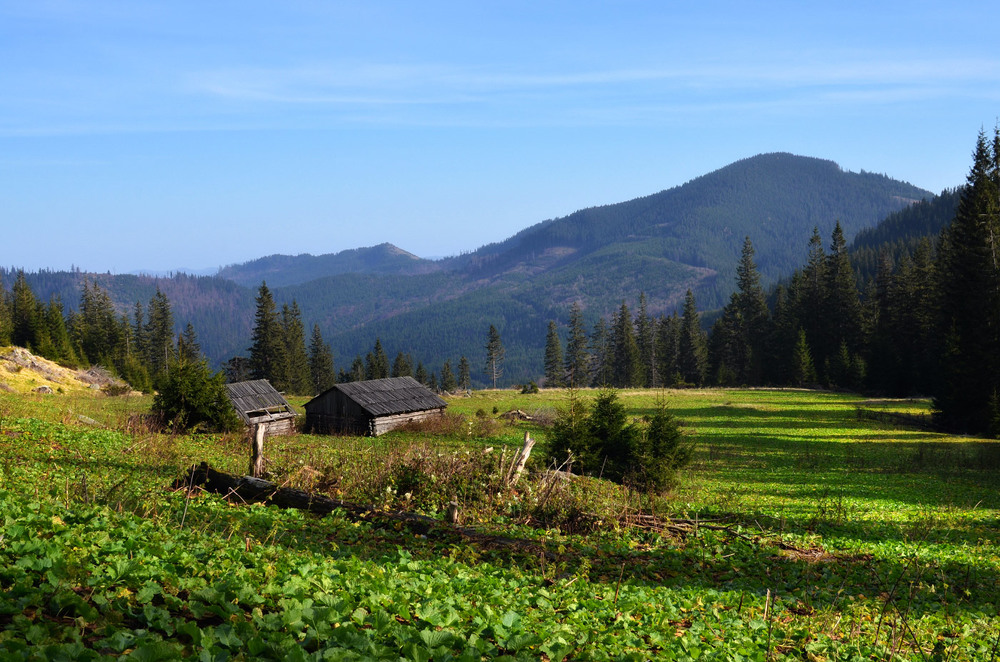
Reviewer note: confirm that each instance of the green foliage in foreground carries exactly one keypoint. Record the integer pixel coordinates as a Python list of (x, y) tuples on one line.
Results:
[(875, 543)]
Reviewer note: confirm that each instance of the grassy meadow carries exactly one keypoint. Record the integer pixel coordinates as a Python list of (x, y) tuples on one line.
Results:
[(809, 526)]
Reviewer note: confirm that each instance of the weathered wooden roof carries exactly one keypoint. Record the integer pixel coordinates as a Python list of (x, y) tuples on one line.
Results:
[(256, 401), (385, 397)]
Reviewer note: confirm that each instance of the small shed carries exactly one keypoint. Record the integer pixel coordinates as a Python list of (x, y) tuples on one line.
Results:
[(258, 403), (372, 407)]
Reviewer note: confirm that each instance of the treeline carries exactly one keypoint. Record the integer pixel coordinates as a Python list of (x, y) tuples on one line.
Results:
[(926, 323), (140, 349), (279, 354)]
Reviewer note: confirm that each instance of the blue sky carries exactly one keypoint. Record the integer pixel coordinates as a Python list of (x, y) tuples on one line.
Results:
[(165, 135)]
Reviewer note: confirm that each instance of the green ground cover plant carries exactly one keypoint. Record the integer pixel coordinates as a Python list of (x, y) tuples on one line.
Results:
[(802, 530)]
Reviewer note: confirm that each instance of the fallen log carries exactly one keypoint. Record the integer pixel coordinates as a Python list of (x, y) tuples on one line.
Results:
[(247, 489)]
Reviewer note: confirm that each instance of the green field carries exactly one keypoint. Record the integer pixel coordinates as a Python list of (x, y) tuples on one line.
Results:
[(874, 538)]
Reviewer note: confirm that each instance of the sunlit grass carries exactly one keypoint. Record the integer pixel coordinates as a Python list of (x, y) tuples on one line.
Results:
[(796, 476)]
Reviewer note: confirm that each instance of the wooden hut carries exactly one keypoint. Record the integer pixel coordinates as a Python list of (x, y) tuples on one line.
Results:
[(372, 407), (258, 403)]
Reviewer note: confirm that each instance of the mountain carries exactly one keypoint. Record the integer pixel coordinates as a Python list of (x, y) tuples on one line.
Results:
[(689, 236), (775, 199), (282, 270), (662, 244)]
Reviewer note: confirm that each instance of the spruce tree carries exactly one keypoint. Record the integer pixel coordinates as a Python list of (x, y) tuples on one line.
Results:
[(754, 327), (691, 349), (159, 335), (659, 452), (810, 297), (448, 382), (237, 369), (421, 373), (627, 361), (494, 355), (297, 375), (667, 343), (188, 348), (553, 357), (645, 338), (97, 332), (602, 353), (926, 309), (138, 344), (5, 323), (26, 322), (268, 352), (464, 374), (357, 373), (886, 349), (58, 335), (192, 396), (969, 267), (577, 358), (377, 364), (842, 320), (739, 336), (803, 371), (321, 371), (402, 366)]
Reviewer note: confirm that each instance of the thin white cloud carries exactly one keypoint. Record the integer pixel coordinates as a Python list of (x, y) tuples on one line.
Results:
[(388, 84)]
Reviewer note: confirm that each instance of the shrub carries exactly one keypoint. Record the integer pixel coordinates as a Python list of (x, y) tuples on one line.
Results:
[(116, 389), (530, 387), (602, 442), (661, 450), (192, 396)]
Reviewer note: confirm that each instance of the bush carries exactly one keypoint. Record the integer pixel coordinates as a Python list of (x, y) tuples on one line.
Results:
[(529, 388), (603, 443), (661, 451), (192, 396)]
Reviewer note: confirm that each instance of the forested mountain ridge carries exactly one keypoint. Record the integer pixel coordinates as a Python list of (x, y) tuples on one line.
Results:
[(282, 270), (776, 199), (687, 237)]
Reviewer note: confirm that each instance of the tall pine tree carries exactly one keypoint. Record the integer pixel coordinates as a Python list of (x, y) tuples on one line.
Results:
[(627, 370), (842, 314), (297, 373), (448, 382), (969, 266), (321, 370), (691, 349), (464, 374), (645, 338), (494, 356), (377, 362), (268, 353), (159, 335), (577, 359), (402, 366)]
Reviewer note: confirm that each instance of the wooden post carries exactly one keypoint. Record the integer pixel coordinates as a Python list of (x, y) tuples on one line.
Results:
[(522, 458), (257, 450)]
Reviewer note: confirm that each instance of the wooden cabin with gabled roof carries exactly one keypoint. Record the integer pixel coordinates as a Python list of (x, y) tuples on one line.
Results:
[(372, 407), (257, 403)]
